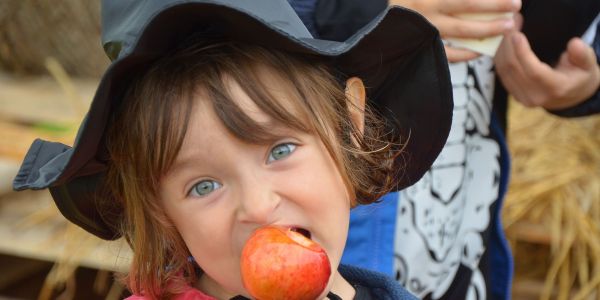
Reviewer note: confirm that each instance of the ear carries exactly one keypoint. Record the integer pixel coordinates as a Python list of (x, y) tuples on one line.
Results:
[(356, 94)]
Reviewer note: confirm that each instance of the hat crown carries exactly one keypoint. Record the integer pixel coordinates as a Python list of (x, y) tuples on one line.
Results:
[(124, 20)]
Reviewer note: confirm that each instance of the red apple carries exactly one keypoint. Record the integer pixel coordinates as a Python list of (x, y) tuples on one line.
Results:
[(280, 263)]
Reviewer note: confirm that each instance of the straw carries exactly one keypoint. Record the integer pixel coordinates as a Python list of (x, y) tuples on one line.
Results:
[(555, 186)]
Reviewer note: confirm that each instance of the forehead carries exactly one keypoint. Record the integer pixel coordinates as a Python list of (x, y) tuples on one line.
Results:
[(250, 104), (208, 134), (279, 91)]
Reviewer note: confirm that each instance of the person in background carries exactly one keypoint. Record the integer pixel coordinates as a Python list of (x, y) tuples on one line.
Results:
[(442, 238)]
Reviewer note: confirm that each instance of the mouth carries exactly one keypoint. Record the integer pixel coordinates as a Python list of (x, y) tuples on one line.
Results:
[(302, 231)]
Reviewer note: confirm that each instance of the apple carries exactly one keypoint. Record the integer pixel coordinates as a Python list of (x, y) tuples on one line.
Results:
[(281, 263)]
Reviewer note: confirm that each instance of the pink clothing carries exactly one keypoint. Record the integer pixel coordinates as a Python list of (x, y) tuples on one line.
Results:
[(189, 294)]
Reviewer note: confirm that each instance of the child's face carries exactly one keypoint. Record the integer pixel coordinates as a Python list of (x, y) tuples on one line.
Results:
[(220, 189)]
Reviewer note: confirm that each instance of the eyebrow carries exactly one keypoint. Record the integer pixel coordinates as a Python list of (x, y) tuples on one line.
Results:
[(179, 165), (277, 133)]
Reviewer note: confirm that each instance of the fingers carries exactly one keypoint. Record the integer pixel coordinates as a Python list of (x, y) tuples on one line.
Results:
[(458, 55), (455, 27), (478, 6), (470, 19), (579, 65), (581, 55), (534, 83), (530, 64), (518, 18), (510, 72)]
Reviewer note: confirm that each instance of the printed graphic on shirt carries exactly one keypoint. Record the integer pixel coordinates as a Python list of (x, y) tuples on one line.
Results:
[(444, 214)]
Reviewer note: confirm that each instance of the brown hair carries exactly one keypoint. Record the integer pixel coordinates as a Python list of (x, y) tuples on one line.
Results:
[(148, 131)]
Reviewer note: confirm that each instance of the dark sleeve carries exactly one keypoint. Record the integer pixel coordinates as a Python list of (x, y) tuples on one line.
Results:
[(589, 107), (338, 19), (550, 24), (585, 108)]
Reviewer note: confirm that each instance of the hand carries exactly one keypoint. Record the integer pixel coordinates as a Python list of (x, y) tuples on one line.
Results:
[(442, 13), (574, 79)]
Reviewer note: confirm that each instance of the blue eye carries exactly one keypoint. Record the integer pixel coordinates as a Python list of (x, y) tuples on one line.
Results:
[(281, 151), (204, 188)]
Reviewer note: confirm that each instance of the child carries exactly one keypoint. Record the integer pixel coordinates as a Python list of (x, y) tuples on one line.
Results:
[(217, 118)]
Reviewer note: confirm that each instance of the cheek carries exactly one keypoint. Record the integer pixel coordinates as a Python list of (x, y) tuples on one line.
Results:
[(208, 235), (201, 238), (325, 198), (202, 227), (331, 193), (203, 235)]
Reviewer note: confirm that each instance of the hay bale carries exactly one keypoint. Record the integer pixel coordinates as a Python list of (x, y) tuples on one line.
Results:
[(68, 30), (555, 188)]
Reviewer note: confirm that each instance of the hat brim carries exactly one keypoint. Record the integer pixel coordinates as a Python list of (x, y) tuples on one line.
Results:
[(399, 55)]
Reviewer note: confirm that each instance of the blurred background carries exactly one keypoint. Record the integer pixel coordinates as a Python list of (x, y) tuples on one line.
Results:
[(50, 63)]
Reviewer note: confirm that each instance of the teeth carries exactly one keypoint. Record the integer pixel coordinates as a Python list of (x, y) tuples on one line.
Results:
[(302, 231)]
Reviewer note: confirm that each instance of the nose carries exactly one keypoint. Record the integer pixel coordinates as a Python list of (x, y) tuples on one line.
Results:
[(258, 203)]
